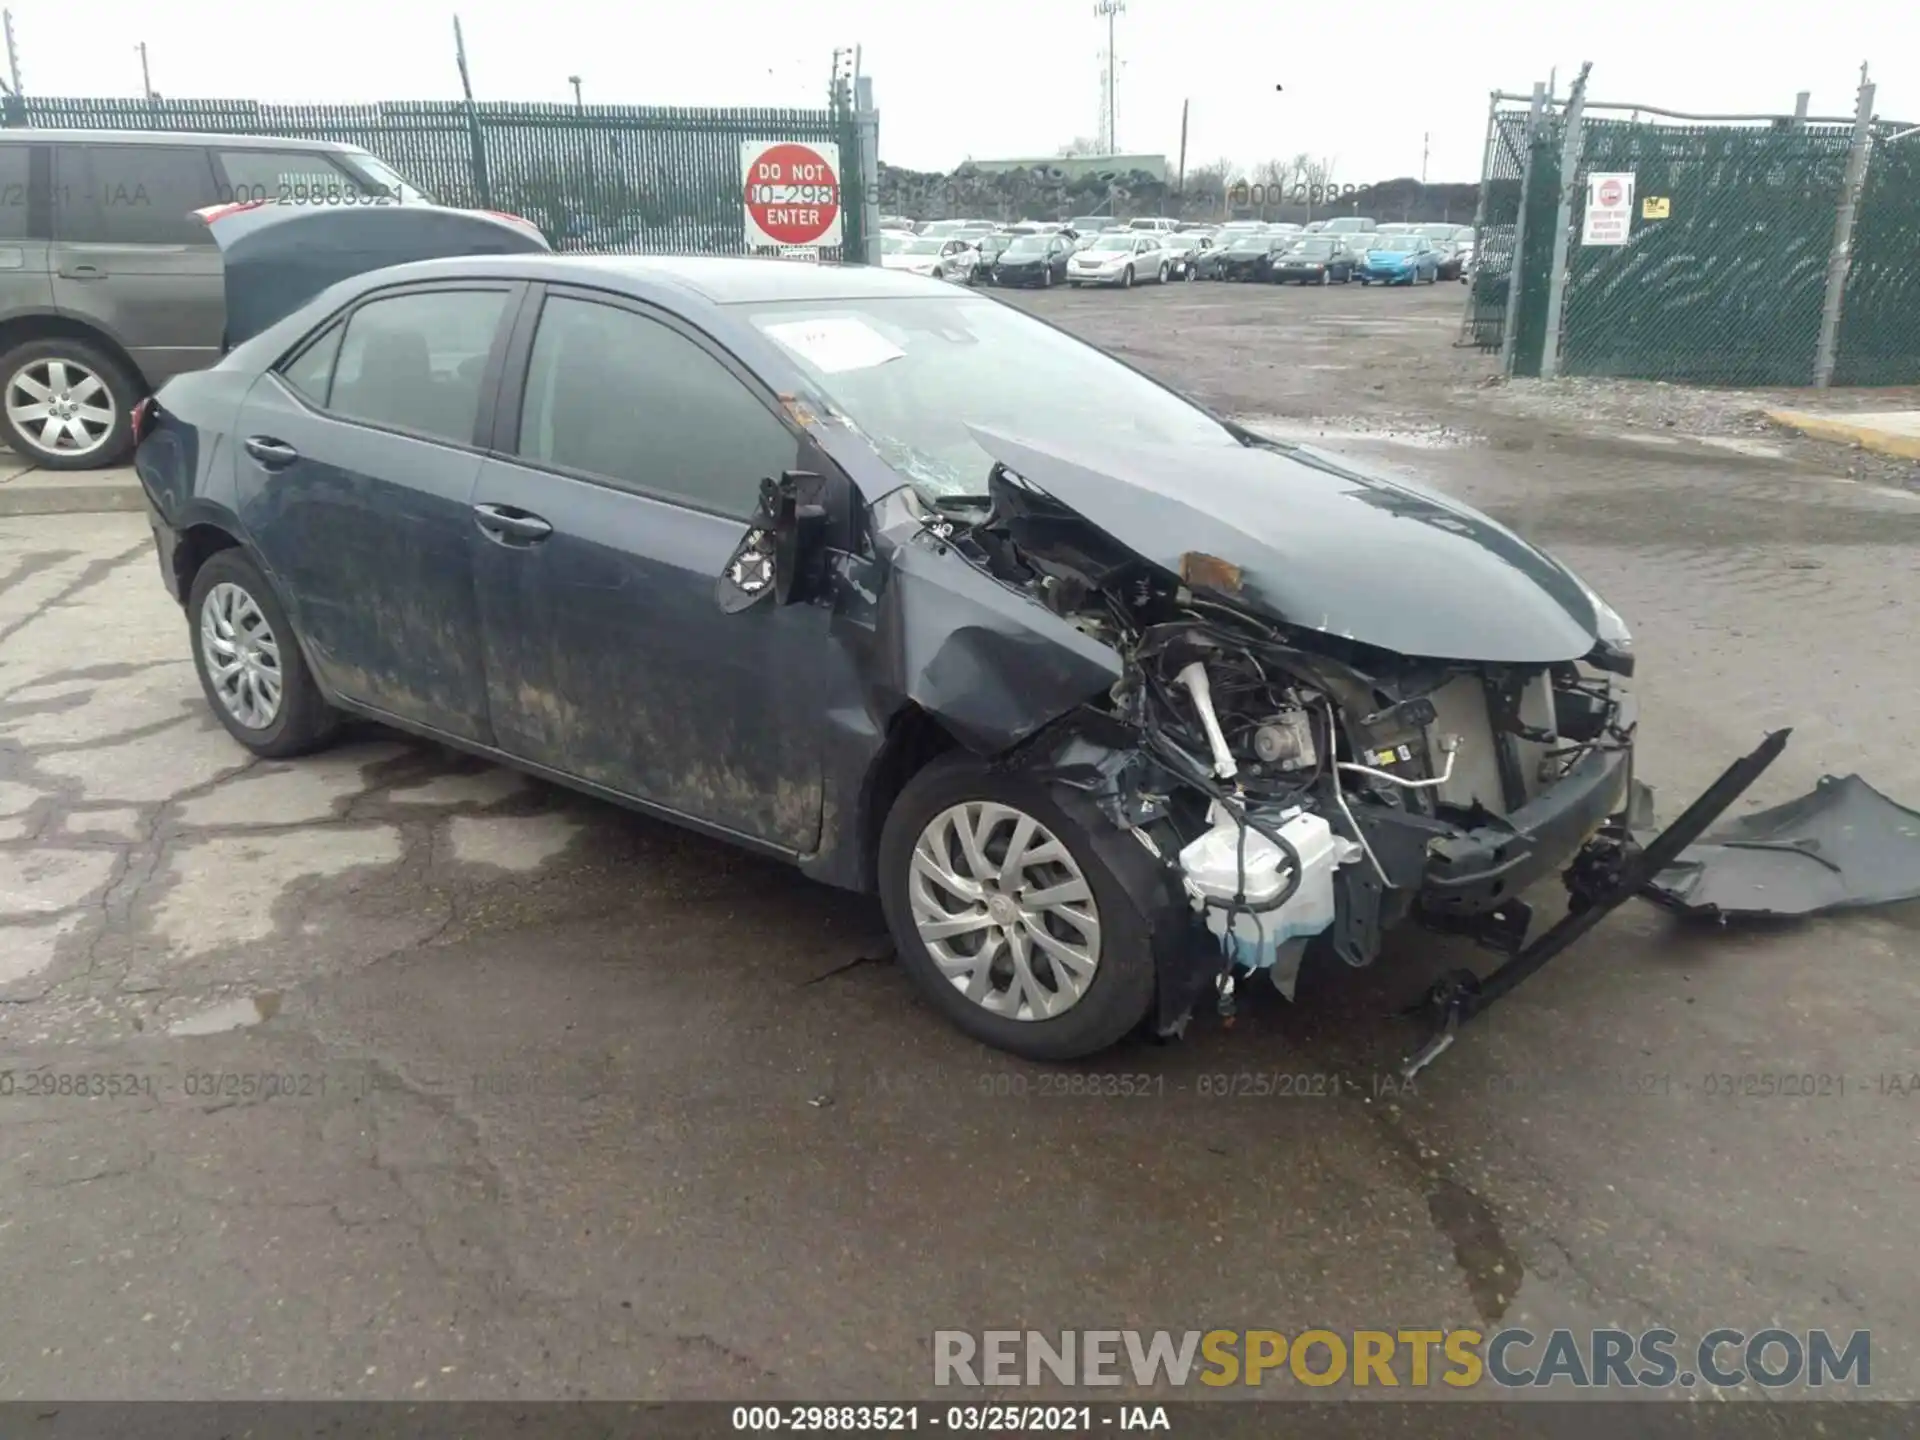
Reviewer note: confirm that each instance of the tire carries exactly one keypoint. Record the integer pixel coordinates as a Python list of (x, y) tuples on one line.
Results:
[(1046, 278), (1326, 277), (1126, 279), (38, 364), (302, 721), (1074, 283), (1121, 990), (1163, 273)]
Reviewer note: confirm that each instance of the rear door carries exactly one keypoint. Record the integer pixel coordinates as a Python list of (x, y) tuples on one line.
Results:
[(26, 284), (130, 257), (359, 458), (627, 469)]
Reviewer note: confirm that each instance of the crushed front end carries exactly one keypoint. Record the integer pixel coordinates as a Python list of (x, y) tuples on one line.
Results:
[(1296, 789)]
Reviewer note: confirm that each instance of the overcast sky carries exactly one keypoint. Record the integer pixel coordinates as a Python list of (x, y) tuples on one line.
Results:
[(1006, 78)]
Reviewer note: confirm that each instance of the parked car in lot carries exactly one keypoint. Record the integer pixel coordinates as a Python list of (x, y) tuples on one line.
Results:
[(909, 589), (1313, 260), (1251, 257), (1450, 259), (988, 249), (1350, 225), (1400, 260), (1036, 260), (1123, 258), (1187, 249), (110, 285), (942, 258), (1088, 224)]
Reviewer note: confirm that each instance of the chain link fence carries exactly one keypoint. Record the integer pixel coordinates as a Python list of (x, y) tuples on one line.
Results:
[(609, 178), (1724, 276)]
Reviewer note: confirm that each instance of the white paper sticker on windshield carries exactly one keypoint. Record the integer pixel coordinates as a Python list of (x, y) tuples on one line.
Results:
[(836, 344)]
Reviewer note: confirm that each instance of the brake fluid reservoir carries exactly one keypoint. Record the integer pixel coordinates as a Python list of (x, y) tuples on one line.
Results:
[(1212, 867)]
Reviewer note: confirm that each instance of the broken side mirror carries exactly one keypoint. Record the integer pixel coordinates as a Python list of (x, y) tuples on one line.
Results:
[(783, 554)]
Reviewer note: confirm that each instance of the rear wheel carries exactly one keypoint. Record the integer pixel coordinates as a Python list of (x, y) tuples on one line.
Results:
[(1007, 918), (249, 661), (68, 405)]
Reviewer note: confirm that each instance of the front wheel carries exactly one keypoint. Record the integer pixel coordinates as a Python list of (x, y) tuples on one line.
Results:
[(1006, 915), (1163, 272), (249, 661), (1046, 279), (1126, 279), (1326, 277)]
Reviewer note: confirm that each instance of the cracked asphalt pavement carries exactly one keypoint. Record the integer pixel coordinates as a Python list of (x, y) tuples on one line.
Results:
[(386, 1073)]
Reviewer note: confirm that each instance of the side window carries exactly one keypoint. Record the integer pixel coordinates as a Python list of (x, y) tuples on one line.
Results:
[(291, 175), (16, 175), (310, 373), (133, 194), (619, 396), (415, 362)]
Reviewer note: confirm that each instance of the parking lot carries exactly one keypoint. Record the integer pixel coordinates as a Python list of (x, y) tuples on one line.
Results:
[(424, 1080)]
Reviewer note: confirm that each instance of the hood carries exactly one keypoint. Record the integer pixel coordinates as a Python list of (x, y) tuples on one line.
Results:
[(277, 257), (1323, 547)]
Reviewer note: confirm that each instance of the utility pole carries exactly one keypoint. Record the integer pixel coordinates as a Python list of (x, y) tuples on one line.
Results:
[(1180, 184), (13, 55), (476, 138), (1112, 9), (146, 83), (1425, 149), (574, 81)]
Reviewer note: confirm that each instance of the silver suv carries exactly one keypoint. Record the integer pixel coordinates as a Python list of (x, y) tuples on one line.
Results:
[(110, 285)]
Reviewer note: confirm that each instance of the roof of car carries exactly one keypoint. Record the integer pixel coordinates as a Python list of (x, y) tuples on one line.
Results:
[(174, 137), (717, 279)]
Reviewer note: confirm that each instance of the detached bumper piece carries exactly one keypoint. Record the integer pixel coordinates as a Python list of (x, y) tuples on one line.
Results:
[(1611, 871), (1841, 847)]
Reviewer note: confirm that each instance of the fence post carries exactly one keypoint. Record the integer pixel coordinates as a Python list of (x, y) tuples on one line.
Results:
[(1510, 325), (1562, 224), (866, 125), (1479, 207), (476, 139), (1826, 353)]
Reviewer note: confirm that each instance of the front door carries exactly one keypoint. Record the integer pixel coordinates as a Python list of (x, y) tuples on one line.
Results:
[(637, 453), (355, 481), (130, 257)]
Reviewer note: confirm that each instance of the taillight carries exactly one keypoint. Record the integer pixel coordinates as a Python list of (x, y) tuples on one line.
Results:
[(143, 417)]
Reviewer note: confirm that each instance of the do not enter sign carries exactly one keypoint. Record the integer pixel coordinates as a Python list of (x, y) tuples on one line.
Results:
[(792, 193)]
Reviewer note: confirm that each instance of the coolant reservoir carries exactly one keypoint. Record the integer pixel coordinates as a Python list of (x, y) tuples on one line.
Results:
[(1211, 865)]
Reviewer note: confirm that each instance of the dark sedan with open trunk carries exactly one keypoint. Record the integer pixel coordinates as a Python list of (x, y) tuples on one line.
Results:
[(1115, 703)]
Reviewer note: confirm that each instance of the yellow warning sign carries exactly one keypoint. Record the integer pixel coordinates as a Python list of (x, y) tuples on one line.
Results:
[(1656, 207)]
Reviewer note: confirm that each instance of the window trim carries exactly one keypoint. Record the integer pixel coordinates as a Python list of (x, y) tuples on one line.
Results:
[(511, 405), (80, 153), (504, 330)]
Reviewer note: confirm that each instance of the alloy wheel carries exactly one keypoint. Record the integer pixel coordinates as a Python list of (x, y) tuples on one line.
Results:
[(241, 655), (1004, 910), (61, 406)]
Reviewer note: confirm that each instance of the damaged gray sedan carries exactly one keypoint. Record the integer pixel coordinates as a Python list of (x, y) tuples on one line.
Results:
[(1114, 703)]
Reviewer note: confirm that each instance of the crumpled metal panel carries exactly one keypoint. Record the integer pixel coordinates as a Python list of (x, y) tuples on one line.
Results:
[(1842, 846)]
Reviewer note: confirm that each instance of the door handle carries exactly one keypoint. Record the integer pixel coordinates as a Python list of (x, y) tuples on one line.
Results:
[(504, 523), (272, 454), (81, 272)]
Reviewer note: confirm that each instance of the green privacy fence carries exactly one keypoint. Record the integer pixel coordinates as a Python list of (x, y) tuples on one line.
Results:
[(618, 178), (1724, 275), (1880, 326)]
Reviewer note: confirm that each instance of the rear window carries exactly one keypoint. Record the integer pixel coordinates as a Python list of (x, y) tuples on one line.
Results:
[(15, 175), (133, 194)]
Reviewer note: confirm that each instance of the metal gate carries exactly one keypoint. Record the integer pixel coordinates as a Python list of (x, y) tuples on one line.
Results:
[(1726, 286), (1880, 324)]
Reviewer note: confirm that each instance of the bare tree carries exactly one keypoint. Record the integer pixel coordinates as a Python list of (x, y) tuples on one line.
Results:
[(1082, 145)]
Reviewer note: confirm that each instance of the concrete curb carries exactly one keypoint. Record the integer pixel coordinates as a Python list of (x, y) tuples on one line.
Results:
[(74, 492), (1892, 432)]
